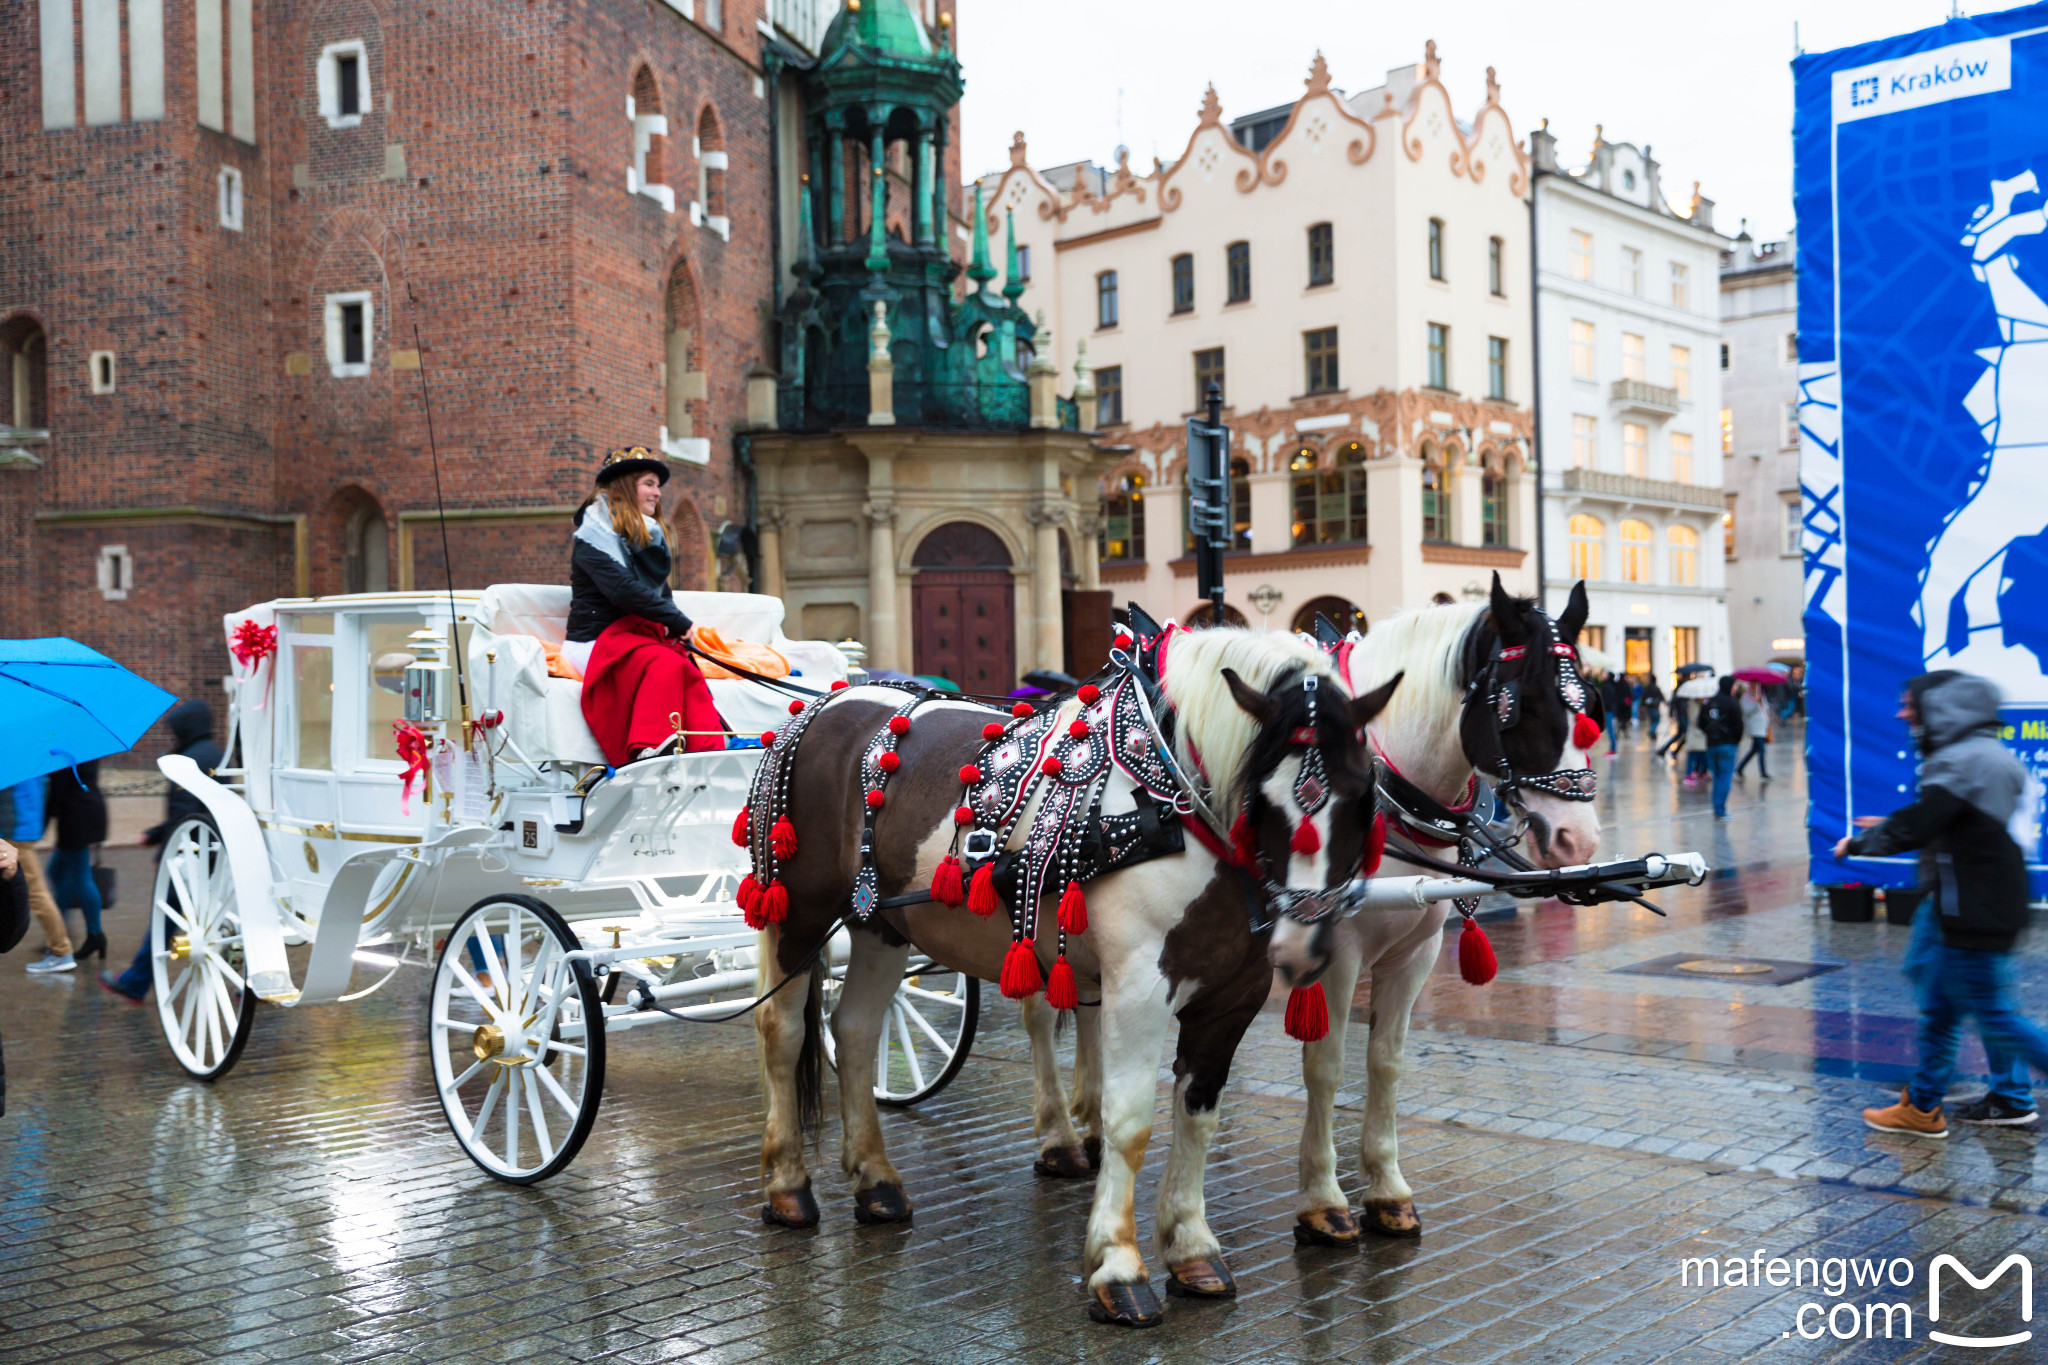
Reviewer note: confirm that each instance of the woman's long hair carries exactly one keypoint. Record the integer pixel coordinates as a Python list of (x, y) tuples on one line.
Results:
[(617, 496)]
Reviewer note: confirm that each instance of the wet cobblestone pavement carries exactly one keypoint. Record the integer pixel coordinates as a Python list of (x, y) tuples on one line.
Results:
[(1571, 1134)]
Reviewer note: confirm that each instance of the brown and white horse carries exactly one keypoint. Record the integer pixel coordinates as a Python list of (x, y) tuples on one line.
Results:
[(1488, 688), (1180, 939)]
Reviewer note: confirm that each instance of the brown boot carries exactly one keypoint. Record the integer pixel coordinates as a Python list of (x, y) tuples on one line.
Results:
[(1904, 1118)]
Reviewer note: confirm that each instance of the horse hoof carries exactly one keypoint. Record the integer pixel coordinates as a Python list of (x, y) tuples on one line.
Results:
[(883, 1203), (1209, 1279), (1063, 1163), (1092, 1149), (1126, 1305), (1326, 1228), (1393, 1217), (791, 1209)]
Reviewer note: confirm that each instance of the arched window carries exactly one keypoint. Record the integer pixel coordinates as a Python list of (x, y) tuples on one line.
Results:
[(1337, 610), (27, 355), (1329, 495), (650, 130), (1493, 509), (1635, 551), (711, 168), (1436, 496), (1587, 533), (1203, 616), (684, 387), (1685, 555), (1123, 520)]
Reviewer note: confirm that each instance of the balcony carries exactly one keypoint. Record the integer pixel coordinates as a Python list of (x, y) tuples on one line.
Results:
[(1649, 492), (1634, 394)]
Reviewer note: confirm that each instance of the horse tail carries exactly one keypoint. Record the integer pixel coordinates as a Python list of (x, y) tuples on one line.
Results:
[(810, 1062)]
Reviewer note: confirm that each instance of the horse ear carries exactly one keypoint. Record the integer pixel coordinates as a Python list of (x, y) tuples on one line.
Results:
[(1507, 619), (1250, 700), (1575, 610), (1364, 708)]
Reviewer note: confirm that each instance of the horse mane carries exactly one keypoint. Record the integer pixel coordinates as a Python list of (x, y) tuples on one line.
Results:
[(1427, 644), (1211, 723)]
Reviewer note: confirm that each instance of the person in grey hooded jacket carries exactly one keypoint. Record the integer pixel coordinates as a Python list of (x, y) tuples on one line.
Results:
[(1976, 876)]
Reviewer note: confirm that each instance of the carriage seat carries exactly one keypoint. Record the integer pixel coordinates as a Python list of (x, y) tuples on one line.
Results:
[(544, 714)]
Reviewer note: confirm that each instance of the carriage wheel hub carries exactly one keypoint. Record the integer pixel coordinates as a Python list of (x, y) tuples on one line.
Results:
[(181, 947), (487, 1042)]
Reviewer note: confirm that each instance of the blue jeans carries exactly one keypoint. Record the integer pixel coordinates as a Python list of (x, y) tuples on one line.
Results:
[(71, 882), (2009, 1079), (1721, 762), (1968, 984)]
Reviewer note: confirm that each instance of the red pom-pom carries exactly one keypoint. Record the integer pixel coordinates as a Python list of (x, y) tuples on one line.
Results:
[(1089, 694), (775, 902), (1073, 910), (842, 683), (964, 815), (899, 725), (1306, 840), (1475, 955), (1021, 710), (1308, 1014), (948, 887), (740, 824), (875, 799), (992, 730), (1585, 731), (889, 762), (767, 739), (981, 891), (1060, 991), (783, 838), (969, 775), (1079, 729), (1375, 846), (1121, 642), (1053, 766), (1020, 970), (796, 706), (749, 899)]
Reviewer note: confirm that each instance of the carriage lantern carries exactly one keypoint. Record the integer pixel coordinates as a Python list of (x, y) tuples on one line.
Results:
[(428, 682)]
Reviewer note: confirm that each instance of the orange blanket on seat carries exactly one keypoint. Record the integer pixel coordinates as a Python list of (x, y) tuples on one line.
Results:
[(756, 659)]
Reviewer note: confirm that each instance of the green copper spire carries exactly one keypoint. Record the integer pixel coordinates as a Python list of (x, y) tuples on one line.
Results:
[(979, 270), (1013, 280), (890, 26)]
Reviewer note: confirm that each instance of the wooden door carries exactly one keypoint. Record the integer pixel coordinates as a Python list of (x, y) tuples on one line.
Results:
[(966, 628), (1088, 629)]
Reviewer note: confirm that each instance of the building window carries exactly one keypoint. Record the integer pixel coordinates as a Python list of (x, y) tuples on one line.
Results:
[(1109, 396), (1681, 457), (1728, 526), (1329, 495), (1493, 510), (1791, 348), (1497, 367), (1436, 497), (1594, 637), (1024, 263), (648, 173), (1632, 359), (1322, 255), (1587, 532), (1632, 270), (343, 79), (1685, 645), (1209, 370), (114, 572), (1635, 449), (231, 198), (1680, 295), (711, 14), (1123, 519), (1319, 351), (1582, 349), (1496, 267), (348, 334), (1585, 434), (1727, 431), (100, 371), (1439, 356), (1789, 527), (1724, 355), (1105, 299), (1685, 555), (711, 167), (1635, 551), (1582, 255), (1183, 284), (1681, 372), (1237, 259), (1791, 423), (28, 358), (1436, 248)]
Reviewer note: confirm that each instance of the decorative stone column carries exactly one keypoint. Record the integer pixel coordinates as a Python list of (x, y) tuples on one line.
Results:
[(773, 581), (1084, 386), (1045, 584), (882, 649), (1043, 378), (881, 371), (1087, 538)]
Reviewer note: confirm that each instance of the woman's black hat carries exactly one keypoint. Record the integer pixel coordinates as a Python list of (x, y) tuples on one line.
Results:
[(630, 462)]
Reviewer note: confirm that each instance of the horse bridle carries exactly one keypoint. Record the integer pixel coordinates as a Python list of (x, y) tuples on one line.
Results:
[(1503, 701), (1311, 793)]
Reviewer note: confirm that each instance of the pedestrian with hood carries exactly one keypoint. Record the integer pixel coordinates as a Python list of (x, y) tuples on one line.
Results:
[(191, 725), (1719, 724), (1613, 696), (80, 812), (1651, 705), (1976, 880)]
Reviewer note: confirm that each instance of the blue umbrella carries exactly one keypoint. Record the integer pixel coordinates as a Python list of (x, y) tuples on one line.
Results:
[(61, 703)]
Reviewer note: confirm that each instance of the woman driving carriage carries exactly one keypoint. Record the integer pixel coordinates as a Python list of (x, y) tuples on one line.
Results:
[(642, 697)]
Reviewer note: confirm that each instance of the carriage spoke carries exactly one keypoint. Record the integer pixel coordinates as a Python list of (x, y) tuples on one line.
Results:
[(163, 907), (909, 1049), (183, 980), (540, 1122), (489, 949), (511, 1119), (483, 1112), (554, 1087), (469, 983), (191, 1003), (515, 987), (222, 998), (911, 1012), (464, 1078), (950, 999), (208, 1020), (220, 965)]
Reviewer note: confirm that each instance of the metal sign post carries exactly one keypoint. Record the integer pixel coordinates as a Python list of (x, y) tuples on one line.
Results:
[(1209, 497)]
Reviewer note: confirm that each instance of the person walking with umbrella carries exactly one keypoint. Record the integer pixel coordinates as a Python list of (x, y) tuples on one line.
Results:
[(23, 819), (1756, 727), (1719, 724), (1652, 706)]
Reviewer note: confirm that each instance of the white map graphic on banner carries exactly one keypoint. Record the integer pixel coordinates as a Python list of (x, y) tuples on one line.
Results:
[(1966, 559)]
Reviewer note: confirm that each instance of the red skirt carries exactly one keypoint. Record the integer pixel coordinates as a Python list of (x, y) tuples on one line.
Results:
[(640, 685)]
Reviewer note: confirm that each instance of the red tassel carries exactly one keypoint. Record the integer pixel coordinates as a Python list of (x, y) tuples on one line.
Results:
[(783, 838), (749, 899), (1306, 840), (1060, 991), (1073, 910), (1020, 970), (947, 885), (739, 826), (981, 892), (1475, 955), (1088, 693), (775, 902), (1375, 845), (1585, 731), (1308, 1014)]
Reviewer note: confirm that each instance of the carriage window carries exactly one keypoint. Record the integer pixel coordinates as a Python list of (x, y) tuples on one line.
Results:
[(311, 644), (386, 651)]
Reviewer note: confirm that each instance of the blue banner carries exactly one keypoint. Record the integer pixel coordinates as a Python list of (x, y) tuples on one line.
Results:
[(1920, 165)]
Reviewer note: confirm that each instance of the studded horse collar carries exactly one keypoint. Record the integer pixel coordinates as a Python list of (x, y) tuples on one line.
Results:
[(1502, 698)]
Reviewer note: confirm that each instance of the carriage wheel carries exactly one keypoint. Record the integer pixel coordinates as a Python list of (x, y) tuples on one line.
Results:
[(195, 952), (518, 1063), (925, 1035)]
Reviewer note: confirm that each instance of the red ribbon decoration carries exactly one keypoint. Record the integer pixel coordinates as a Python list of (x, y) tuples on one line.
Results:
[(252, 643), (412, 751)]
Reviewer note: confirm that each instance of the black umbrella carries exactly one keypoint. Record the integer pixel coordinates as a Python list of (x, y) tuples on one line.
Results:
[(1686, 670)]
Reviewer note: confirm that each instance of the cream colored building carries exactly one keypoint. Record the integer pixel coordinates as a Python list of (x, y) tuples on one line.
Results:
[(1358, 264)]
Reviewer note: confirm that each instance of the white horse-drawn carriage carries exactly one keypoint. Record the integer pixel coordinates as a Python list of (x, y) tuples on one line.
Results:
[(365, 821)]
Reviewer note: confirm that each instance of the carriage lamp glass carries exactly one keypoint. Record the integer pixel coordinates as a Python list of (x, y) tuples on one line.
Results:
[(429, 681)]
